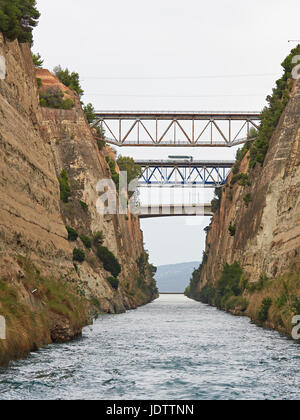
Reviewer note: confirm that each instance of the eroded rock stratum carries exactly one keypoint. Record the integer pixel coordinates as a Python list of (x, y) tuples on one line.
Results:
[(44, 296), (264, 215)]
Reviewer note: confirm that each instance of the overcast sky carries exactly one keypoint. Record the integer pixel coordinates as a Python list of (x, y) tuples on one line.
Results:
[(170, 55)]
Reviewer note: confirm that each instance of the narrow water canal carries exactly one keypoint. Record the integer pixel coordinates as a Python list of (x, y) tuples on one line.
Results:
[(174, 348)]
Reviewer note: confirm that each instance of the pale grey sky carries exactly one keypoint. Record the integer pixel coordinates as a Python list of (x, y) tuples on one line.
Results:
[(170, 55)]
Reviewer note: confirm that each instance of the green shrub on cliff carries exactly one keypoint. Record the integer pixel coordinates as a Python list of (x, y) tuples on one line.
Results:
[(128, 165), (236, 303), (71, 80), (247, 199), (282, 294), (37, 60), (110, 262), (29, 323), (152, 269), (98, 238), (187, 291), (39, 82), (67, 104), (18, 18), (84, 206), (207, 294), (240, 154), (65, 190), (252, 133), (295, 304), (113, 172), (89, 112), (54, 98), (114, 282), (191, 290), (144, 267), (226, 293), (142, 263), (87, 242), (100, 131), (263, 282), (78, 255), (241, 178), (271, 114), (101, 144), (72, 234), (230, 282), (263, 313), (232, 229)]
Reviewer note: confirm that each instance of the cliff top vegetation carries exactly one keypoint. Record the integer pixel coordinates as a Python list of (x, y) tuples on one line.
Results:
[(270, 115), (18, 18)]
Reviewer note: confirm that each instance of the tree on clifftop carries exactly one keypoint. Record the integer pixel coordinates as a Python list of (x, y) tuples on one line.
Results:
[(37, 60), (71, 80), (89, 111), (128, 165), (18, 18)]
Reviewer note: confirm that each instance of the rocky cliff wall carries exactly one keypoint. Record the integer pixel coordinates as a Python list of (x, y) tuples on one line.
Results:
[(75, 150), (43, 295), (264, 213)]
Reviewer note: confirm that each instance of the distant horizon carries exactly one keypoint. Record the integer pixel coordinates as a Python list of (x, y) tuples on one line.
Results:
[(174, 278), (180, 263)]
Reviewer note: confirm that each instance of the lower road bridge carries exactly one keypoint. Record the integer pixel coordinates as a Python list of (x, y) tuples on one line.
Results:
[(174, 173), (167, 210)]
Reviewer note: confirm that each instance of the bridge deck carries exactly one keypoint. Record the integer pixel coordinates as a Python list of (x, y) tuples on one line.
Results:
[(167, 210), (183, 115), (185, 163)]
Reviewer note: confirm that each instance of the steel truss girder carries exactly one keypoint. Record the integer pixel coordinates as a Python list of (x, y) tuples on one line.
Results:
[(202, 174), (135, 120)]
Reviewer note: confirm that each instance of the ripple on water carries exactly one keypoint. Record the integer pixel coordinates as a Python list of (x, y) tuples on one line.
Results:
[(174, 348)]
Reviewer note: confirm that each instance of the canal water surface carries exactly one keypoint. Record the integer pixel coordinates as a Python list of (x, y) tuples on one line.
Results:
[(173, 348)]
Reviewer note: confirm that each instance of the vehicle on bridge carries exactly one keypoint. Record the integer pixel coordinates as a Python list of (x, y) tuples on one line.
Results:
[(185, 158)]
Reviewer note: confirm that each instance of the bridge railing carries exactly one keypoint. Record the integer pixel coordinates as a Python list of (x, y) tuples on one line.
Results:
[(195, 114)]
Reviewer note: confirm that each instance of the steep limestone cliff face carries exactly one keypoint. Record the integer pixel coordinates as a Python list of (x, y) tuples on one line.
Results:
[(30, 212), (43, 296), (266, 219), (30, 221), (75, 150)]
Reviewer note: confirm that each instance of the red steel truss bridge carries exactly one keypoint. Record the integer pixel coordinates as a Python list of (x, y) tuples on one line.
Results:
[(176, 129)]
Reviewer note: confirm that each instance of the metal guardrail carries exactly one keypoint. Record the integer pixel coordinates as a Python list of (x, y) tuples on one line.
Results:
[(185, 163), (168, 113)]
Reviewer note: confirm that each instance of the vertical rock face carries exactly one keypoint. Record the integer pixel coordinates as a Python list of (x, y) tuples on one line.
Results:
[(30, 220), (35, 146), (75, 150), (267, 228)]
